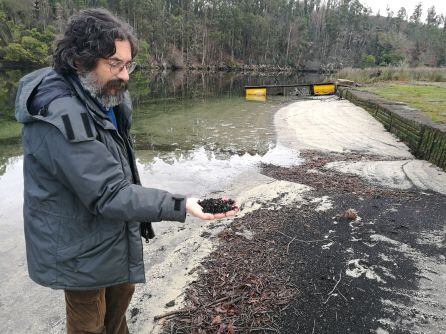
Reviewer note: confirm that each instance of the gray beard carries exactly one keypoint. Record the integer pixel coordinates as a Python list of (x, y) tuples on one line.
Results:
[(90, 83)]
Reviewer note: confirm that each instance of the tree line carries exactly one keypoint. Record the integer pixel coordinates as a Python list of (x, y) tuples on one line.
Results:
[(305, 34)]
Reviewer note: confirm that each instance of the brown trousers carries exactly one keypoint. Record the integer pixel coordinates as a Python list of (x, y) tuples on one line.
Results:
[(99, 311)]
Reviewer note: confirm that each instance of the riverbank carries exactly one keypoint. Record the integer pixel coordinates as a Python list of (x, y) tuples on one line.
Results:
[(329, 245), (426, 139), (429, 97), (237, 67), (392, 73), (223, 67)]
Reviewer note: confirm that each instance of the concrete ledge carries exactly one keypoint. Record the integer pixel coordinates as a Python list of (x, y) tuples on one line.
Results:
[(425, 139)]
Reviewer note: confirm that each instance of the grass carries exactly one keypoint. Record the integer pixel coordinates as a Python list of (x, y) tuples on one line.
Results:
[(10, 131), (429, 98), (392, 73)]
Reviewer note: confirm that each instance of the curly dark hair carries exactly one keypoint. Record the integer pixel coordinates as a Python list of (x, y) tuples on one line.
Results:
[(90, 35)]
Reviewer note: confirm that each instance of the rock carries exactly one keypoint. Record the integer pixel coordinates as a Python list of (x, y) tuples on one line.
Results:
[(134, 312), (171, 303), (345, 82)]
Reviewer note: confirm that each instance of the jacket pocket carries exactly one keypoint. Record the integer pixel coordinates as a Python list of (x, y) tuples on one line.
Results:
[(96, 261), (91, 244)]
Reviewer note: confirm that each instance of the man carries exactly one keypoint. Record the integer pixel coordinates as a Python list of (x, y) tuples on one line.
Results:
[(83, 202)]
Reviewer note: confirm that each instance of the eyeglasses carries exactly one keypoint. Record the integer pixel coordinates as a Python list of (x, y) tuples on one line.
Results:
[(116, 67)]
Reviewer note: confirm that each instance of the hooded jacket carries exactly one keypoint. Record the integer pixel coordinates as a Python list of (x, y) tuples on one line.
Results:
[(82, 198)]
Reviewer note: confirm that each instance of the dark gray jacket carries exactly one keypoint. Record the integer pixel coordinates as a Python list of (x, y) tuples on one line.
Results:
[(82, 201)]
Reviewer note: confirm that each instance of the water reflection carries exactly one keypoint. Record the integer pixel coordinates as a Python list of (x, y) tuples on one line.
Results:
[(196, 132), (201, 171), (9, 80), (197, 146), (224, 125), (177, 112), (9, 153), (156, 86)]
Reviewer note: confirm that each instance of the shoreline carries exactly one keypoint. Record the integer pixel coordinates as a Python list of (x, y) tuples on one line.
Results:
[(196, 67), (289, 213), (317, 224)]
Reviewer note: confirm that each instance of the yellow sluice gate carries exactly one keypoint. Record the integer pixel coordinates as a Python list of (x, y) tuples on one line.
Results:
[(324, 89), (258, 93), (255, 94)]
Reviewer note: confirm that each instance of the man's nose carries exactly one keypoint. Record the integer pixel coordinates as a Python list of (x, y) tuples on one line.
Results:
[(124, 74)]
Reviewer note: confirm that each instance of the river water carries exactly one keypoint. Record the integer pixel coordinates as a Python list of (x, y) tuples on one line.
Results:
[(194, 133), (194, 128)]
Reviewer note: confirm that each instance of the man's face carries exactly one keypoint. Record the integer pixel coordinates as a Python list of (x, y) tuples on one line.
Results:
[(106, 72), (108, 81)]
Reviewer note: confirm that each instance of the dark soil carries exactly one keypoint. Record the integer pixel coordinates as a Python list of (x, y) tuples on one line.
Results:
[(357, 303), (282, 280)]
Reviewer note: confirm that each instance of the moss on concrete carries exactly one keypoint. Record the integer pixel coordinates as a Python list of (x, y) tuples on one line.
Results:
[(425, 138), (430, 99)]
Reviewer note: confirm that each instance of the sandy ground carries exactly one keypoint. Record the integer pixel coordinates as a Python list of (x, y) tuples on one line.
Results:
[(326, 125), (332, 125), (381, 272), (338, 126), (395, 255)]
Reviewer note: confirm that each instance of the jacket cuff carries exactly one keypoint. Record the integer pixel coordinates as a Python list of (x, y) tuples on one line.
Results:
[(175, 208)]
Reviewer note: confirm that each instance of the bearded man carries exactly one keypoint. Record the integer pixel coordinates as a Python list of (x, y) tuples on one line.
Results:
[(84, 207)]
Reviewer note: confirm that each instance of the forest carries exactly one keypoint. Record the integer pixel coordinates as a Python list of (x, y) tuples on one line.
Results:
[(229, 34)]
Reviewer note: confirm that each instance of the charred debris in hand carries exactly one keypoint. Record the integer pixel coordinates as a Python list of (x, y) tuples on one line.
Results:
[(217, 205)]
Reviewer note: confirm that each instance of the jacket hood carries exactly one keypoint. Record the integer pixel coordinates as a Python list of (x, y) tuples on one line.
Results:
[(36, 91), (39, 88)]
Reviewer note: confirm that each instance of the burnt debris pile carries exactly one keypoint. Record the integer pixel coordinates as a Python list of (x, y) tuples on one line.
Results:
[(240, 286)]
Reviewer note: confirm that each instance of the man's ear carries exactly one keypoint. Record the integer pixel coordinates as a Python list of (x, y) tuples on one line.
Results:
[(78, 67)]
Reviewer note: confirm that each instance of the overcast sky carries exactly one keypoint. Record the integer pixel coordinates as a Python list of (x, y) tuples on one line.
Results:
[(395, 5)]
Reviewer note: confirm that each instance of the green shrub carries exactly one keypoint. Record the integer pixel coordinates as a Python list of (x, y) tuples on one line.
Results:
[(367, 60), (17, 53), (143, 54), (30, 50)]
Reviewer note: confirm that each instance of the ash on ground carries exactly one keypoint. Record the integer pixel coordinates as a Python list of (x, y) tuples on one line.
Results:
[(372, 261)]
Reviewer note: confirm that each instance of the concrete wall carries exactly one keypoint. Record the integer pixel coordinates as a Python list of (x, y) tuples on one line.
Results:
[(425, 139)]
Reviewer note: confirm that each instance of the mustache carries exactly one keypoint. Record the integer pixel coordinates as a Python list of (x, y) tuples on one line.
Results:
[(117, 84)]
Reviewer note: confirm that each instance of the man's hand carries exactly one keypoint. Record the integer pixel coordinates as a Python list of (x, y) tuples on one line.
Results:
[(196, 210)]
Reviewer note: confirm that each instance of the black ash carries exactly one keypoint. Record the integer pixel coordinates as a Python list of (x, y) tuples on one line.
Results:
[(217, 205)]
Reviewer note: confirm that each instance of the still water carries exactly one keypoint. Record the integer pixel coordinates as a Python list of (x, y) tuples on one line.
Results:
[(192, 131)]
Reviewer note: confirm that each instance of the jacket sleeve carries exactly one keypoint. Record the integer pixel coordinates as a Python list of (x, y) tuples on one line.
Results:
[(89, 170)]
